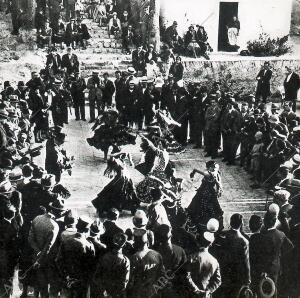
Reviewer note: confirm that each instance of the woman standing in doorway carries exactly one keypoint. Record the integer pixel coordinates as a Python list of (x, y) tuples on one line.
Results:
[(233, 31)]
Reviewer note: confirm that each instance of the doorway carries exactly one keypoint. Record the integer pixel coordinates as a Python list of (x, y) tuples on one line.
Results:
[(227, 11)]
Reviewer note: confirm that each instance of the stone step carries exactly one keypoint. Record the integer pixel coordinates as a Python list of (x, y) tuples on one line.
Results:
[(107, 51)]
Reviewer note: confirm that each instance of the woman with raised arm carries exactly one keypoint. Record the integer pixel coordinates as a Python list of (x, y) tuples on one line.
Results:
[(205, 204)]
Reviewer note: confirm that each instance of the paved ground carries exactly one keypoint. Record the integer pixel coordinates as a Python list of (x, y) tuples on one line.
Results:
[(87, 178)]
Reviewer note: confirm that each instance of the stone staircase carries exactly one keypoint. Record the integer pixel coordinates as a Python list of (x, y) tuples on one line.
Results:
[(104, 53)]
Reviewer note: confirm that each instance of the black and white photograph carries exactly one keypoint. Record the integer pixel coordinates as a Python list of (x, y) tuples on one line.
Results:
[(149, 148)]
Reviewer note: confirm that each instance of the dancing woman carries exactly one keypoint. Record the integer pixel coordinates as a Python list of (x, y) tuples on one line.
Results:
[(109, 133), (205, 204), (120, 191)]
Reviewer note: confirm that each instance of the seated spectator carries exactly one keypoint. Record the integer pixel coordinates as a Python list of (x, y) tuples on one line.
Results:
[(79, 8), (201, 37), (172, 38), (152, 69), (114, 25), (151, 54), (110, 8), (128, 38), (190, 39), (82, 34), (71, 33), (91, 8), (100, 13), (58, 33), (44, 36)]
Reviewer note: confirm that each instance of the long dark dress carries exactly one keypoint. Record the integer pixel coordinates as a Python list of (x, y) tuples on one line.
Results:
[(118, 193), (205, 204)]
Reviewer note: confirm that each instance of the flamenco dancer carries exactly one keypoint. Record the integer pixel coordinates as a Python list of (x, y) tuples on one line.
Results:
[(161, 129), (205, 204), (120, 191), (109, 133)]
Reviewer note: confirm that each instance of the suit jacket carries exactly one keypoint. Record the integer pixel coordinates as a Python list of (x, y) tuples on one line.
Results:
[(84, 31), (273, 246), (263, 83), (70, 32), (138, 60), (205, 271), (70, 63), (111, 229), (108, 90), (201, 35), (291, 87), (94, 92), (55, 61), (235, 267), (154, 57), (177, 71)]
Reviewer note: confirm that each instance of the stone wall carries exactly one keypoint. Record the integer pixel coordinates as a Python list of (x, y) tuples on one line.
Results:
[(237, 74)]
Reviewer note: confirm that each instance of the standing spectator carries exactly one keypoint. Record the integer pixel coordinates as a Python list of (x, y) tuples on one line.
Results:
[(9, 249), (100, 14), (95, 94), (233, 31), (128, 38), (42, 238), (54, 12), (182, 116), (231, 130), (212, 128), (138, 60), (74, 259), (291, 86), (119, 85), (197, 115), (70, 62), (204, 268), (77, 91), (131, 101), (177, 69), (71, 34), (112, 274), (146, 268), (108, 90), (39, 20), (150, 102), (235, 268), (70, 9), (54, 61), (263, 83)]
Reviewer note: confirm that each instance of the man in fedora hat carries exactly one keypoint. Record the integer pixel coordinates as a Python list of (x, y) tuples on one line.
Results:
[(172, 38), (54, 156), (20, 90), (61, 99), (94, 86), (42, 239), (53, 61), (75, 258), (113, 270), (77, 91), (263, 83), (111, 227), (83, 33), (291, 86)]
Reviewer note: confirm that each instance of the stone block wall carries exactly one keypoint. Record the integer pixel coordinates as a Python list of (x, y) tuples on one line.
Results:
[(236, 75)]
